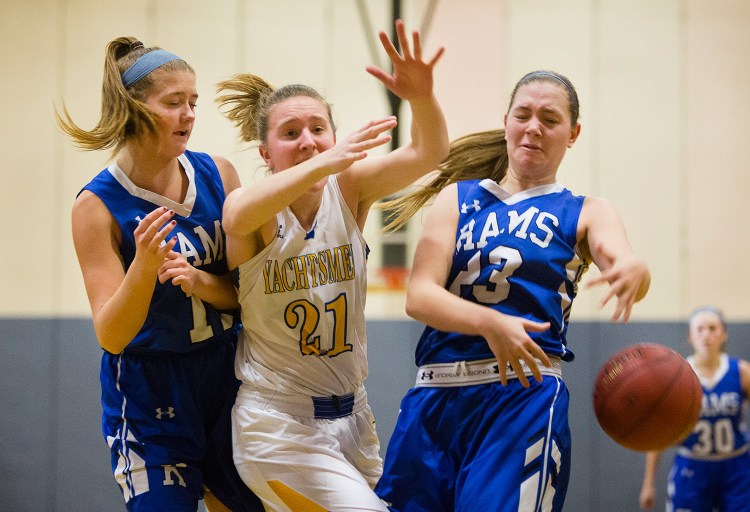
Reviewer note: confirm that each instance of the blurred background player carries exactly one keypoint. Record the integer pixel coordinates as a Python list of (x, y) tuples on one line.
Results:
[(711, 469)]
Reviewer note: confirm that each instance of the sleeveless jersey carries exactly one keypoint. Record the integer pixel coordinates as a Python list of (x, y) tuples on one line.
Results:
[(720, 432), (302, 300), (175, 322), (516, 254)]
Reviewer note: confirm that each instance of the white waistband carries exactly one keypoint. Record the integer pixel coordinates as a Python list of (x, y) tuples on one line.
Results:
[(688, 454), (303, 406), (467, 373)]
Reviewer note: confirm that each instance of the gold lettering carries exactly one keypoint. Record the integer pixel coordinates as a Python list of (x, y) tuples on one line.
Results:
[(267, 276), (285, 275), (311, 264), (310, 270), (337, 271), (300, 272)]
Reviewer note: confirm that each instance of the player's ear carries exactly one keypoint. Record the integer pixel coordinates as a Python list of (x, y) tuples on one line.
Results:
[(265, 155), (574, 133)]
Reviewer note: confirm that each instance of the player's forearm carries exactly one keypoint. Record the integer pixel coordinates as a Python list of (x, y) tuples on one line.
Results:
[(429, 132), (120, 318), (216, 290), (248, 208), (650, 468)]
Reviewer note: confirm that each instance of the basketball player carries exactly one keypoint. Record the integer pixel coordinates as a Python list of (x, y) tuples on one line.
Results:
[(711, 469), (494, 275), (147, 232), (304, 433)]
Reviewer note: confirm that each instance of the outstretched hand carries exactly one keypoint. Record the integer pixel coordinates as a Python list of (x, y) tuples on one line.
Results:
[(628, 280), (355, 146), (411, 77)]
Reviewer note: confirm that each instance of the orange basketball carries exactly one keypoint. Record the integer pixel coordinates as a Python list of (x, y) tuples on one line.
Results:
[(647, 397)]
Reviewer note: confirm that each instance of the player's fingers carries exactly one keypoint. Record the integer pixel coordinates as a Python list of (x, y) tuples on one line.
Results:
[(157, 230), (167, 246), (518, 370), (152, 216), (417, 43), (151, 223), (380, 75), (403, 41), (624, 308), (534, 367), (606, 298), (437, 56), (502, 367), (388, 46), (539, 354), (162, 235), (605, 276), (358, 149), (374, 128), (163, 276), (528, 325)]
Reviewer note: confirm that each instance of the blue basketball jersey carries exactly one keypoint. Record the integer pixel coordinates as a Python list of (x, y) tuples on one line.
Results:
[(711, 470), (516, 254), (175, 322), (720, 431)]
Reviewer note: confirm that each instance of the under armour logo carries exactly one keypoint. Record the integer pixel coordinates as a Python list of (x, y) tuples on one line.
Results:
[(465, 207), (496, 369), (426, 375), (169, 412)]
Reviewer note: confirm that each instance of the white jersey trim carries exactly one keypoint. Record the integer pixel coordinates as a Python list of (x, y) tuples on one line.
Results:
[(542, 190), (183, 209)]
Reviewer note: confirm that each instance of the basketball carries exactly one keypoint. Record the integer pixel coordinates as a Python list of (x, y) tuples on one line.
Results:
[(647, 397)]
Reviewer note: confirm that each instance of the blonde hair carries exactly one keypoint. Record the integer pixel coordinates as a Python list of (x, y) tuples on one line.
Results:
[(248, 99), (124, 113)]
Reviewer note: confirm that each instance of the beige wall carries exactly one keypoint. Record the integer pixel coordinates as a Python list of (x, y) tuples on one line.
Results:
[(663, 86)]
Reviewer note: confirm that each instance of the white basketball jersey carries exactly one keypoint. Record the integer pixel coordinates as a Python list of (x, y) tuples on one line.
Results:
[(303, 301)]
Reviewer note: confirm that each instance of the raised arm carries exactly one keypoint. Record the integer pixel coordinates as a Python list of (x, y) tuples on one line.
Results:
[(412, 81), (603, 236)]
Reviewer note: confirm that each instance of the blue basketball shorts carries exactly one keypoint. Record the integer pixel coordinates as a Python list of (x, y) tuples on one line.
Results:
[(167, 421), (483, 447), (707, 485)]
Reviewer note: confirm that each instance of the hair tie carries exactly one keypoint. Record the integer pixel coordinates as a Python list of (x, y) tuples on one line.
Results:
[(145, 64)]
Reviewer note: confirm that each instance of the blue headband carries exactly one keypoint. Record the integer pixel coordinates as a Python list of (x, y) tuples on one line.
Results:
[(145, 64)]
